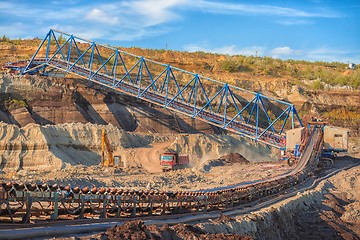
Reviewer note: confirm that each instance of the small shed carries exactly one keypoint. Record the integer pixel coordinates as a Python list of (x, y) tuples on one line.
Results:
[(352, 65), (294, 137), (336, 138)]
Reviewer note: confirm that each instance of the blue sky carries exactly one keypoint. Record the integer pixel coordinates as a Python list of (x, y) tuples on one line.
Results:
[(315, 30)]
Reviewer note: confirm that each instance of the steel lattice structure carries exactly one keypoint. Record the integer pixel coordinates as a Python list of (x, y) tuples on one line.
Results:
[(235, 109)]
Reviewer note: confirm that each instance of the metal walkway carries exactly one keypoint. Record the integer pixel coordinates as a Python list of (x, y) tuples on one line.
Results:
[(247, 113)]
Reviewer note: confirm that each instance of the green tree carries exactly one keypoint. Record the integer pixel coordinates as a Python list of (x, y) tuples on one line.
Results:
[(230, 66), (61, 39), (5, 38)]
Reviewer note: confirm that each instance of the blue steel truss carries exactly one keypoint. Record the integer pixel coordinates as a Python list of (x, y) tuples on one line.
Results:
[(247, 113)]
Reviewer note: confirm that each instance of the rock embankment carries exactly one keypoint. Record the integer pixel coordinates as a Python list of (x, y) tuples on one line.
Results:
[(55, 147), (330, 211), (33, 99)]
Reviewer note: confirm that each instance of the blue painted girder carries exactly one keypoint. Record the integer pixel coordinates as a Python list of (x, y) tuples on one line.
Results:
[(247, 113)]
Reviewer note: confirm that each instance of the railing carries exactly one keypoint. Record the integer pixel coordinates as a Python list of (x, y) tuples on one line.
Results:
[(242, 128), (241, 111)]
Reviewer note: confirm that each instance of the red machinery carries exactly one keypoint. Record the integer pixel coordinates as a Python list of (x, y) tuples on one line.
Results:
[(171, 160)]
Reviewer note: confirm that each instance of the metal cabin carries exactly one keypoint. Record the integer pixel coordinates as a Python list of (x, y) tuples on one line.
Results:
[(336, 138), (294, 137)]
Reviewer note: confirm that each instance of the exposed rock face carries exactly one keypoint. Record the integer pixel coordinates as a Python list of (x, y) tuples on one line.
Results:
[(36, 147), (21, 116), (32, 99)]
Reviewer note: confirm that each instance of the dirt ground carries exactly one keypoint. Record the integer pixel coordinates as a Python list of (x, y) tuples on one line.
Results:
[(45, 154), (137, 230), (331, 210), (210, 174)]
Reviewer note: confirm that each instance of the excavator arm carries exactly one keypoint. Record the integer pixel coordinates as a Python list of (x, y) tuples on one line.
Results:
[(105, 143)]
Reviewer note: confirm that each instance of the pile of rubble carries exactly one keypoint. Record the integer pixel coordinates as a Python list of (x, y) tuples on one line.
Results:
[(138, 230)]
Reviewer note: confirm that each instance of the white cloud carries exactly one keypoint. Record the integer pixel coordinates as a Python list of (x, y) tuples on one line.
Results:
[(284, 51), (5, 5), (317, 54), (67, 2), (154, 12), (326, 50), (253, 50), (130, 20), (227, 49), (98, 15), (125, 21), (288, 22), (257, 9), (139, 19), (15, 30), (329, 54)]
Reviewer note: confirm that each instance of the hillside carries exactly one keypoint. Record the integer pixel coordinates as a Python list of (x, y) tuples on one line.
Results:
[(327, 90)]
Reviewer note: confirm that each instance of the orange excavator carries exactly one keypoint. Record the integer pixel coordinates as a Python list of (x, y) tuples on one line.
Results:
[(110, 151)]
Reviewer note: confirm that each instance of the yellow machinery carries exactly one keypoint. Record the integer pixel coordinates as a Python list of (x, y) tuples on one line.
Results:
[(110, 156)]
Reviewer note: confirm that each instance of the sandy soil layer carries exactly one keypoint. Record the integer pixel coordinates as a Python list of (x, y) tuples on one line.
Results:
[(71, 154), (184, 179), (46, 154)]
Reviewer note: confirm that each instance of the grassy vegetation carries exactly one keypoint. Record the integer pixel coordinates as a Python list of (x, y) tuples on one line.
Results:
[(16, 103), (317, 75), (5, 39), (317, 85), (345, 117), (334, 73), (8, 102)]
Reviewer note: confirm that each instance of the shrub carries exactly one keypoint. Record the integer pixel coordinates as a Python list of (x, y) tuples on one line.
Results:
[(4, 39), (13, 103), (317, 85), (234, 66), (229, 66)]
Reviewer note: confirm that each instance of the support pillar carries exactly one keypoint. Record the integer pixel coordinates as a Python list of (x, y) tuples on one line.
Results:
[(29, 200), (55, 215), (82, 210)]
